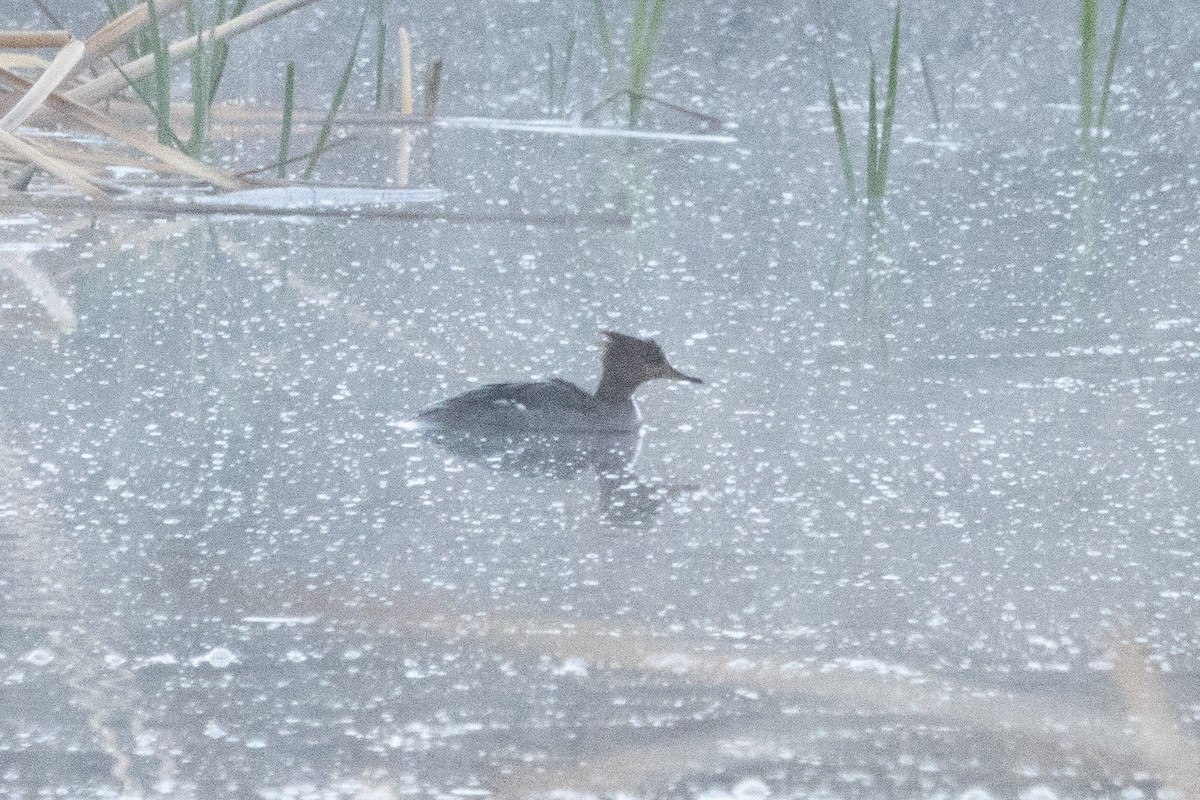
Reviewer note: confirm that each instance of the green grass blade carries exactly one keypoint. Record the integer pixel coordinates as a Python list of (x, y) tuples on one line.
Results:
[(889, 105), (606, 45), (221, 48), (1112, 62), (201, 102), (566, 70), (637, 65), (872, 133), (647, 21), (550, 82), (1087, 64), (839, 131), (162, 76), (285, 135), (933, 103), (338, 95), (638, 29), (657, 14), (380, 49), (433, 87), (200, 68)]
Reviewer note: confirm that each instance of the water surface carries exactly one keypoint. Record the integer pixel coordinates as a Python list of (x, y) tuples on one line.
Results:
[(943, 462)]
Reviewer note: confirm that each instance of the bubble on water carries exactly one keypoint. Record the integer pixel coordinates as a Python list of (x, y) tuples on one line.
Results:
[(976, 793), (750, 789), (39, 657), (576, 667), (218, 658), (1038, 793)]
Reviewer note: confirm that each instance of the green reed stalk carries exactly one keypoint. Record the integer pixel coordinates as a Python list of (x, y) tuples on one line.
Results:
[(338, 95), (872, 132), (647, 20), (208, 67), (162, 76), (433, 87), (889, 106), (201, 100), (1112, 62), (879, 122), (556, 87), (640, 13), (116, 9), (380, 49), (1087, 64), (285, 134), (201, 66), (550, 81), (566, 70), (606, 45), (933, 103), (220, 49), (839, 131)]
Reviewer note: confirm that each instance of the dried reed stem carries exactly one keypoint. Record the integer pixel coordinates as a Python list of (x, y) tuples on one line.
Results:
[(116, 33), (102, 123), (11, 59), (113, 81), (34, 40), (59, 169), (404, 160), (47, 82), (406, 84)]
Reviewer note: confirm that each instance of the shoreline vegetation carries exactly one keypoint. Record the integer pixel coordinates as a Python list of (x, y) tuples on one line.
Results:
[(125, 108)]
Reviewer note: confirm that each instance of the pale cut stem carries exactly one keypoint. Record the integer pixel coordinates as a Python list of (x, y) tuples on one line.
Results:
[(404, 159), (406, 84)]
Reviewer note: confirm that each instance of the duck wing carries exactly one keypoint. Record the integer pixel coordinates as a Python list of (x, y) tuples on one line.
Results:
[(536, 396), (496, 402)]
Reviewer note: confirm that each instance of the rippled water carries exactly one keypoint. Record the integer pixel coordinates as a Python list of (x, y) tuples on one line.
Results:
[(944, 461)]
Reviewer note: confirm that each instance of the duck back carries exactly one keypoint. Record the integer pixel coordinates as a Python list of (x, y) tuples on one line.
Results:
[(547, 406)]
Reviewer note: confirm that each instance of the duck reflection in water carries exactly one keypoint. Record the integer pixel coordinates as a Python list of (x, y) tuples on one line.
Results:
[(626, 499)]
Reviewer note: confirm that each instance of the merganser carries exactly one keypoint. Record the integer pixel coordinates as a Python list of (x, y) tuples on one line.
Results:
[(557, 405)]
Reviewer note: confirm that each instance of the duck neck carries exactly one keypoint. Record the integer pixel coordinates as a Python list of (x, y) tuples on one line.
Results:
[(615, 387)]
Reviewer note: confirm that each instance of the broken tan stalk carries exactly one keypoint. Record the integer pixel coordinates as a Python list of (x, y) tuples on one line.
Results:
[(113, 81), (102, 123), (34, 40), (404, 162), (406, 84), (58, 169), (116, 33)]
